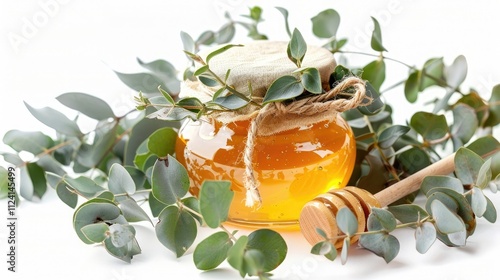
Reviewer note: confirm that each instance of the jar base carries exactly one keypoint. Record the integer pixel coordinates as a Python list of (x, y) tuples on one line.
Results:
[(291, 225)]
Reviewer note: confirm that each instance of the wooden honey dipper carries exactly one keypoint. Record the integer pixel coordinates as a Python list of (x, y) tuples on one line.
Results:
[(321, 211)]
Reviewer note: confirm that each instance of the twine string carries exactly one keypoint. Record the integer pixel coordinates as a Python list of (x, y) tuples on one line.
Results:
[(307, 106)]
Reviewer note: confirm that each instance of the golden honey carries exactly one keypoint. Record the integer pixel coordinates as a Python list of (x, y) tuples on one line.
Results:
[(292, 167)]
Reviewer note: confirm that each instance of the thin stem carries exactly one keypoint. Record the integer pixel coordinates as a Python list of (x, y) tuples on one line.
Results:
[(228, 233), (183, 206), (137, 192)]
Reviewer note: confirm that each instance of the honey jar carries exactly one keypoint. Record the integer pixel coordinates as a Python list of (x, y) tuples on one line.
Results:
[(295, 158)]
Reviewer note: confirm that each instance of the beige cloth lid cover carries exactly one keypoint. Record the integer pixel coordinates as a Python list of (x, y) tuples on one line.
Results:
[(260, 63)]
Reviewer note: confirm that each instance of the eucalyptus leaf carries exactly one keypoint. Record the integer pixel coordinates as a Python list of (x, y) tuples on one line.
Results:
[(187, 42), (225, 34), (121, 235), (465, 123), (430, 126), (132, 211), (467, 166), (146, 82), (376, 41), (408, 213), (435, 181), (91, 155), (215, 198), (457, 72), (297, 48), (385, 218), (347, 221), (345, 249), (67, 195), (170, 180), (326, 23), (494, 107), (95, 232), (491, 213), (283, 88), (254, 262), (390, 135), (446, 221), (230, 102), (374, 72), (56, 120), (311, 80), (120, 180), (84, 186), (93, 211), (220, 51), (160, 67), (411, 87), (432, 73), (162, 142), (478, 202), (284, 12), (383, 245), (271, 244), (89, 105), (425, 236), (235, 254), (176, 229), (124, 253), (33, 142), (484, 175), (194, 204), (155, 205), (212, 251)]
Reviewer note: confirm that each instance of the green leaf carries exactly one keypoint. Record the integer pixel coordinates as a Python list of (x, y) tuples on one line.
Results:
[(167, 96), (253, 262), (374, 72), (464, 125), (478, 202), (390, 135), (220, 50), (326, 249), (66, 195), (467, 166), (84, 185), (212, 251), (225, 34), (376, 42), (271, 245), (430, 126), (155, 205), (411, 87), (435, 181), (33, 182), (96, 210), (33, 142), (494, 107), (414, 159), (235, 254), (170, 180), (284, 12), (448, 222), (187, 42), (193, 203), (326, 23), (162, 142), (408, 213), (95, 232), (485, 146), (456, 73), (206, 38), (176, 230), (297, 48), (385, 218), (4, 183), (283, 88), (345, 249), (215, 198), (132, 211), (339, 74), (91, 155), (346, 221), (477, 103), (125, 253), (160, 67), (432, 73), (491, 213), (231, 102), (425, 236), (120, 180), (56, 120), (376, 107), (383, 245), (311, 80), (121, 235), (145, 82), (484, 175), (91, 106)]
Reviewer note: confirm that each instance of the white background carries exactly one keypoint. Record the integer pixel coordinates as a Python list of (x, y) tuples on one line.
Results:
[(74, 45)]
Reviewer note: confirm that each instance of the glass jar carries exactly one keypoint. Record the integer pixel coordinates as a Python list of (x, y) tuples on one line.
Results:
[(292, 167)]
